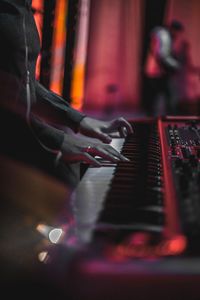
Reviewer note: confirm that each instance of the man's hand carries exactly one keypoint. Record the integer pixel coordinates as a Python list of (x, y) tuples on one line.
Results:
[(103, 129), (76, 149)]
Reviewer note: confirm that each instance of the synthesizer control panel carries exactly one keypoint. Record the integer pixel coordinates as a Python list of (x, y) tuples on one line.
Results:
[(183, 155)]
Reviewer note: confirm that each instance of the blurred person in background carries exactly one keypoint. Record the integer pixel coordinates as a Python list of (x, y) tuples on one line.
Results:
[(161, 65)]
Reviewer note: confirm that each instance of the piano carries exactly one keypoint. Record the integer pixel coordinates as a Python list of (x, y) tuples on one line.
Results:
[(131, 230), (138, 222), (157, 192)]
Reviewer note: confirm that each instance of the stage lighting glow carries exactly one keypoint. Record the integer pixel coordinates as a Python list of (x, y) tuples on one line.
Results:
[(55, 235), (42, 256)]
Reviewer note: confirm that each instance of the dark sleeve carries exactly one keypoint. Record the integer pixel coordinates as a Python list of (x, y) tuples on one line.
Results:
[(52, 107), (48, 135), (8, 8)]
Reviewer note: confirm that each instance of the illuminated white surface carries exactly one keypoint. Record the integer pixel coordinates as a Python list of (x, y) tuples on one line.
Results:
[(55, 235)]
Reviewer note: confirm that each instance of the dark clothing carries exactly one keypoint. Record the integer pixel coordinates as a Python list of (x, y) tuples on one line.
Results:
[(154, 89), (19, 50), (18, 29)]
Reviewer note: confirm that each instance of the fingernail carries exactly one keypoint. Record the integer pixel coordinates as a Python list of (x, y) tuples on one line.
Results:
[(126, 159)]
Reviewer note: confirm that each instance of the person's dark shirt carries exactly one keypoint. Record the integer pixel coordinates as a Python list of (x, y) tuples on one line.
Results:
[(18, 31)]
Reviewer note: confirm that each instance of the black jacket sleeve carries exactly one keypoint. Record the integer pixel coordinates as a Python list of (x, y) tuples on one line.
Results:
[(54, 108), (16, 22), (46, 134)]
